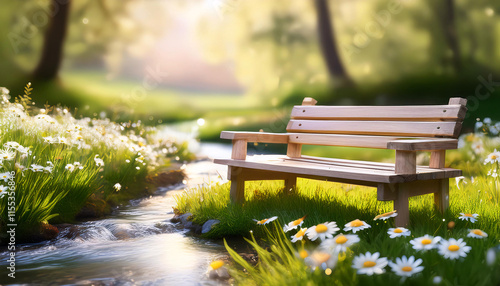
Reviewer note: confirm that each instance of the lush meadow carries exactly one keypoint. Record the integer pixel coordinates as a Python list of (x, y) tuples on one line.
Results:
[(329, 228), (54, 165)]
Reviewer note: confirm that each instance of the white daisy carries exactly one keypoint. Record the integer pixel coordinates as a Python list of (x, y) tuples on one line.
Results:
[(70, 167), (216, 270), (294, 224), (322, 259), (385, 216), (117, 187), (369, 263), (266, 220), (299, 235), (470, 217), (5, 176), (78, 165), (99, 162), (323, 231), (48, 169), (493, 173), (3, 190), (425, 242), (11, 145), (339, 243), (36, 168), (478, 147), (356, 225), (492, 157), (453, 249), (406, 267), (49, 139), (23, 150), (62, 140), (7, 154), (398, 231), (477, 233)]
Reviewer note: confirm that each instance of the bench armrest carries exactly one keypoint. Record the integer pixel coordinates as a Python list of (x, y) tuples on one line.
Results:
[(260, 137), (423, 144)]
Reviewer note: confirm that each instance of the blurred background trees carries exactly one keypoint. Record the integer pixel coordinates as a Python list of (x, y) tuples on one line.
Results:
[(217, 55)]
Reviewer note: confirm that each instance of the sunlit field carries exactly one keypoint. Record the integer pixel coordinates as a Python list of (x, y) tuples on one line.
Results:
[(324, 242)]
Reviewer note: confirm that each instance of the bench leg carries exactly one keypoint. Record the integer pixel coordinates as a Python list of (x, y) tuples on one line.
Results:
[(237, 191), (442, 195), (401, 204), (290, 182)]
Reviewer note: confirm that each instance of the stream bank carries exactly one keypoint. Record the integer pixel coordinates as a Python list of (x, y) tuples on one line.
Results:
[(136, 245)]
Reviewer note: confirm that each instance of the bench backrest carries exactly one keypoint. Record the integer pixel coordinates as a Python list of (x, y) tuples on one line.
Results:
[(416, 121)]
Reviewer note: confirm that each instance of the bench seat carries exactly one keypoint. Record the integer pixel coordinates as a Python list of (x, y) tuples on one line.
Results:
[(363, 172)]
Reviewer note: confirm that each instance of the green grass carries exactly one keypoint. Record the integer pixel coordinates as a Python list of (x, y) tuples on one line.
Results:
[(324, 201), (67, 151)]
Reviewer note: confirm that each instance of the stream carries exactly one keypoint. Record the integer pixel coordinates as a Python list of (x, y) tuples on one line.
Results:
[(136, 245)]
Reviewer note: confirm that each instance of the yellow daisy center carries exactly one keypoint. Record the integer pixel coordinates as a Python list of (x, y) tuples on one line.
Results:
[(453, 247), (321, 257), (303, 254), (262, 221), (494, 157), (217, 264), (477, 232), (469, 215), (300, 233), (398, 230), (341, 239), (426, 241), (297, 222), (320, 228), (407, 268), (356, 223), (369, 263)]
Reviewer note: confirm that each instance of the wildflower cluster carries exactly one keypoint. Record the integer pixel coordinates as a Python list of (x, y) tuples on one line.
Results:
[(334, 246), (60, 161)]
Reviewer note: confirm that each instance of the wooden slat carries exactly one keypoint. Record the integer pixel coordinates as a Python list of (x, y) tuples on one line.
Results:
[(379, 142), (324, 169), (457, 101), (423, 144), (397, 128), (314, 170), (398, 113), (449, 172), (262, 137)]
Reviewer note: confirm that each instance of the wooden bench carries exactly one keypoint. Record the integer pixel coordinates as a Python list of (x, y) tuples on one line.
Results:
[(405, 129)]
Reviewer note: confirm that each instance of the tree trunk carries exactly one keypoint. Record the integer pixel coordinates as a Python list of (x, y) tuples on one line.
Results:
[(52, 51), (328, 42), (450, 33)]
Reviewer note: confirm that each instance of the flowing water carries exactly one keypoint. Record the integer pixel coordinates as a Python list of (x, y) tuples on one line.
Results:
[(137, 245)]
